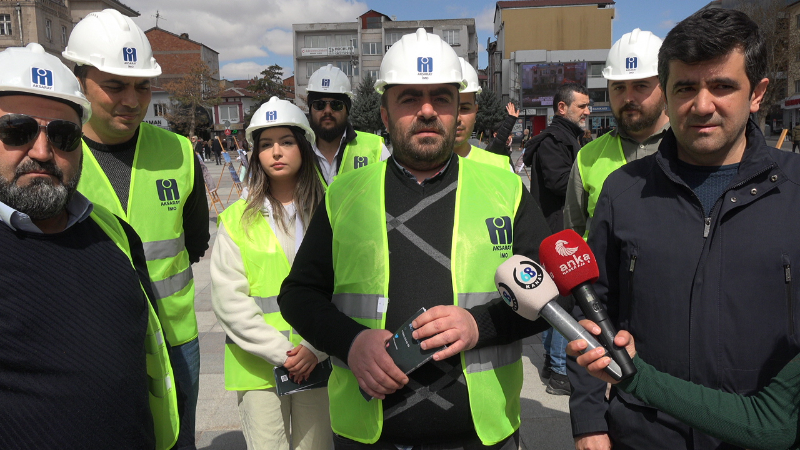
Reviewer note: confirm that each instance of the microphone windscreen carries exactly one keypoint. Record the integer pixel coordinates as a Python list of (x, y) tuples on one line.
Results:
[(569, 260), (524, 286)]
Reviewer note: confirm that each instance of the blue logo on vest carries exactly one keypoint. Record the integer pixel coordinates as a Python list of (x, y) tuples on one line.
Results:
[(360, 161), (168, 191), (129, 55), (500, 232), (272, 116), (326, 82), (425, 65), (41, 78), (631, 63)]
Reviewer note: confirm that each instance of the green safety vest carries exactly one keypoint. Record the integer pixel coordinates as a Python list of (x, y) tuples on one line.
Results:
[(486, 203), (161, 179), (596, 161), (365, 149), (483, 156), (162, 395), (266, 266)]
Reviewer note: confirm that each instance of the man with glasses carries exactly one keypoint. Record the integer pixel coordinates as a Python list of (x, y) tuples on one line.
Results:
[(339, 147), (83, 360), (146, 175)]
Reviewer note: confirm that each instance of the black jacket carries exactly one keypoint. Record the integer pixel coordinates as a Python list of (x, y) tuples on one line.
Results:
[(712, 300), (550, 155)]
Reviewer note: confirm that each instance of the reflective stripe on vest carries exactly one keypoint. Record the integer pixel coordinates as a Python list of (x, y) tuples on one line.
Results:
[(162, 395), (365, 149), (266, 266), (162, 178), (482, 156), (486, 203), (596, 161)]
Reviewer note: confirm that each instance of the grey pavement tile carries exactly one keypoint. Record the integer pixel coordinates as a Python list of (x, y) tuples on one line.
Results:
[(221, 440)]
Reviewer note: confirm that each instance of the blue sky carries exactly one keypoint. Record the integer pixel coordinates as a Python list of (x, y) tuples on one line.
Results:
[(257, 33)]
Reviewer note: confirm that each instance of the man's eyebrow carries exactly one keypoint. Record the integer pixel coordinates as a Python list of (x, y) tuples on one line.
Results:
[(442, 91), (410, 91)]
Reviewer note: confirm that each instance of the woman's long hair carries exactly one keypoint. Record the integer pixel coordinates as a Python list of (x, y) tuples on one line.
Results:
[(308, 191)]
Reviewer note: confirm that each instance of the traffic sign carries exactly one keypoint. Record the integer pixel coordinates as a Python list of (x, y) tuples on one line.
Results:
[(227, 132)]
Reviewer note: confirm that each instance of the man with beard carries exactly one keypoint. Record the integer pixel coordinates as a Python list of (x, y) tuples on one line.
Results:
[(638, 106), (551, 154), (146, 175), (423, 229), (339, 147), (83, 360)]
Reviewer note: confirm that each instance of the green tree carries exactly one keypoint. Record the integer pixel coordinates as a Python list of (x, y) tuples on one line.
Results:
[(190, 95), (366, 111), (268, 85), (490, 113)]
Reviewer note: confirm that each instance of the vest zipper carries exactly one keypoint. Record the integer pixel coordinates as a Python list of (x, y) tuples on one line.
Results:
[(631, 269), (707, 227)]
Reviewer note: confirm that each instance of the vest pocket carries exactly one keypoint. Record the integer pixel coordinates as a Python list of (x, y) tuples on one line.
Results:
[(787, 279)]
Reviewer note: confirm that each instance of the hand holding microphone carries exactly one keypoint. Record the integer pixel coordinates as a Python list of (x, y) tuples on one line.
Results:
[(529, 291), (571, 263)]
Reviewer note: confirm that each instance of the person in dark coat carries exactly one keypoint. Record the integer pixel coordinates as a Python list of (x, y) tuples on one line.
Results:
[(216, 148)]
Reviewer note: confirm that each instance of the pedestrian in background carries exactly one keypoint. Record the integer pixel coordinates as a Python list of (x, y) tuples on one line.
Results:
[(257, 240), (216, 148), (796, 138)]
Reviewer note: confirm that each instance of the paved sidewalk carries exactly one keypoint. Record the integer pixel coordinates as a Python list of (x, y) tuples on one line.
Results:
[(545, 418)]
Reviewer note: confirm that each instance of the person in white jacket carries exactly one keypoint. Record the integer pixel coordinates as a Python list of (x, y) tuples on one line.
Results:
[(256, 243)]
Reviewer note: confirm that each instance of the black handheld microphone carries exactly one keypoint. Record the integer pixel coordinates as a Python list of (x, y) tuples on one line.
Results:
[(529, 291)]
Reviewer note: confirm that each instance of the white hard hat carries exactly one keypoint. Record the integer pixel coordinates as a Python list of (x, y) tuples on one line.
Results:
[(330, 80), (112, 43), (33, 71), (279, 113), (420, 58), (633, 57), (471, 76)]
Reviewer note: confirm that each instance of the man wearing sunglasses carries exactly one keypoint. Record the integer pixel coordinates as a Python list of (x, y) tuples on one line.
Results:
[(74, 308), (339, 147), (146, 175)]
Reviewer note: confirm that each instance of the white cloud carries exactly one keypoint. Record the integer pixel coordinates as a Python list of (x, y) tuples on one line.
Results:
[(278, 41), (242, 70), (667, 25), (481, 48), (485, 20), (256, 29)]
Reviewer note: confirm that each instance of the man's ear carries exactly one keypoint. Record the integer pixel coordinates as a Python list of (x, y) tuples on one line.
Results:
[(385, 118), (562, 108)]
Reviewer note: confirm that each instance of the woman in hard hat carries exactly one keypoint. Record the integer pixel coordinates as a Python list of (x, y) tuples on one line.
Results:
[(256, 243)]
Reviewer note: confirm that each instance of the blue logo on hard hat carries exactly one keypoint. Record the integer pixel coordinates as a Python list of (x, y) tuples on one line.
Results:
[(425, 64), (326, 82), (631, 63), (129, 54), (41, 78), (272, 116)]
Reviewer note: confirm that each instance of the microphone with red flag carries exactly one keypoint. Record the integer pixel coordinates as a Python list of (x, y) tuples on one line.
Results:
[(571, 263), (529, 291)]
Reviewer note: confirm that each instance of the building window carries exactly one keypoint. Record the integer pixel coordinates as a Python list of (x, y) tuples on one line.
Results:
[(797, 19), (63, 36), (372, 73), (391, 38), (347, 68), (596, 70), (312, 67), (598, 95), (316, 41), (48, 29), (451, 37), (371, 48), (797, 86), (373, 22), (229, 113), (159, 109), (5, 24), (345, 40)]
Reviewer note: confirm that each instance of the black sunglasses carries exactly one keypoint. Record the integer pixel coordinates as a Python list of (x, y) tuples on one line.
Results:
[(319, 105), (19, 129)]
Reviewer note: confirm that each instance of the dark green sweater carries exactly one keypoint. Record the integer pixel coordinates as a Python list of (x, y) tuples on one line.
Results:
[(767, 420)]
